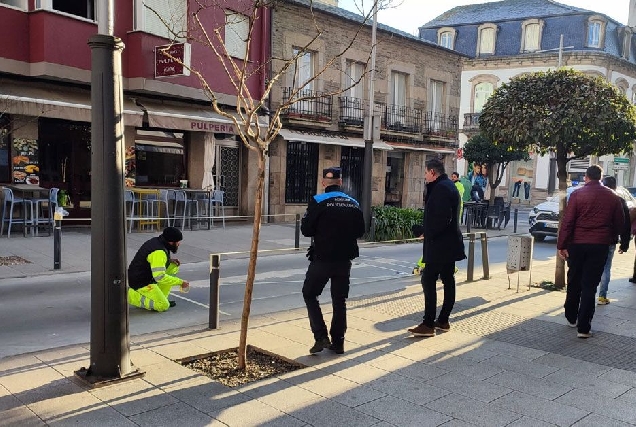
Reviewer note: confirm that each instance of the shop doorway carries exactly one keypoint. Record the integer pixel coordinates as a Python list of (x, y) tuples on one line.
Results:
[(226, 173), (65, 163), (394, 181)]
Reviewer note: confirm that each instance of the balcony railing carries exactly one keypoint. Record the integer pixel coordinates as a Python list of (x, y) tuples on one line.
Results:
[(316, 106), (471, 121), (398, 118), (352, 111), (436, 124)]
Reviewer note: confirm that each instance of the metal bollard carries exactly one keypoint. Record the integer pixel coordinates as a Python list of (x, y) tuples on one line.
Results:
[(57, 245), (470, 270), (514, 221), (297, 233), (484, 255), (469, 219), (372, 229), (215, 273)]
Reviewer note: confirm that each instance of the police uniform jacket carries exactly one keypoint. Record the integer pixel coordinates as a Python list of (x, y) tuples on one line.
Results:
[(335, 221), (443, 240), (151, 264)]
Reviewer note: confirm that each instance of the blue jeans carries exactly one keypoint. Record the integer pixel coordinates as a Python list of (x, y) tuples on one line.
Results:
[(605, 278)]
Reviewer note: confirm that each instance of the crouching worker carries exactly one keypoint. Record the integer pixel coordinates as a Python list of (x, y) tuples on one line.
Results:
[(152, 273)]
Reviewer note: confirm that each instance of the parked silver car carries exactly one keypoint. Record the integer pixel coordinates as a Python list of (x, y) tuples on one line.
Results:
[(544, 217)]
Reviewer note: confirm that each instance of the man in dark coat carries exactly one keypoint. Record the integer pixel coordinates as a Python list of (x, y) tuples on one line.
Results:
[(443, 246)]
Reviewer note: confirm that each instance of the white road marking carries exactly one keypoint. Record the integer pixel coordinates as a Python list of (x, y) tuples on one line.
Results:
[(198, 303)]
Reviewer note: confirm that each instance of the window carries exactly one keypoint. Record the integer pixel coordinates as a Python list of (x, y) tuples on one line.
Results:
[(83, 8), (398, 88), (304, 70), (159, 159), (446, 37), (594, 34), (595, 31), (22, 4), (622, 85), (5, 137), (354, 73), (436, 104), (482, 93), (486, 42), (531, 35), (627, 42), (302, 170), (237, 28), (174, 13)]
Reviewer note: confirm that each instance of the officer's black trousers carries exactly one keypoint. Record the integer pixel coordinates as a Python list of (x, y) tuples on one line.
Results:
[(318, 274)]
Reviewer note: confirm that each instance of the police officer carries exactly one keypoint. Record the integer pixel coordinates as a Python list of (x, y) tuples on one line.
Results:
[(152, 273), (335, 222)]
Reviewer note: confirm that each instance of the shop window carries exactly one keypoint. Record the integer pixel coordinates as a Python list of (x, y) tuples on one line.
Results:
[(446, 37), (159, 159), (237, 29), (5, 137), (173, 22), (301, 179), (352, 164)]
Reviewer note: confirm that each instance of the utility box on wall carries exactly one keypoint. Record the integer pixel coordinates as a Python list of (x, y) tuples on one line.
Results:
[(519, 253)]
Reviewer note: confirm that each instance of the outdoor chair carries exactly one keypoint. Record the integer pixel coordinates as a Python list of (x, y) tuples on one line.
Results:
[(9, 204), (216, 201), (160, 207), (129, 197), (48, 205)]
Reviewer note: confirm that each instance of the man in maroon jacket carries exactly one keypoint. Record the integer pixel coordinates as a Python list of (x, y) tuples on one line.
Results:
[(593, 218)]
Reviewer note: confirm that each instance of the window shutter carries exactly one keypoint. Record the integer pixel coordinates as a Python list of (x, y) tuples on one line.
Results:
[(173, 12)]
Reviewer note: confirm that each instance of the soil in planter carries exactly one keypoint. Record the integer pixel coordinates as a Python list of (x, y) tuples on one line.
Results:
[(222, 366)]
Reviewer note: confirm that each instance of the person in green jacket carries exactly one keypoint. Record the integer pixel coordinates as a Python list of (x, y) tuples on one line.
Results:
[(462, 190), (152, 274)]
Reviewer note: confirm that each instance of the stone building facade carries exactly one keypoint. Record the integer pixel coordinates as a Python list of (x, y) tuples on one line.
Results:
[(416, 104)]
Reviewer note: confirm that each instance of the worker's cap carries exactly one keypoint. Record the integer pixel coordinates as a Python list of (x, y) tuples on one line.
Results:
[(172, 234), (331, 173)]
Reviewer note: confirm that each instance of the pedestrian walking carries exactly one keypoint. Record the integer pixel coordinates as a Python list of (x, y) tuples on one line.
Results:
[(443, 246), (335, 222), (610, 182), (152, 274), (593, 218)]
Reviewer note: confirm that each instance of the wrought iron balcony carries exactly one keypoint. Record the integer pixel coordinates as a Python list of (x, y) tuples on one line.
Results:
[(471, 121), (352, 111), (312, 105), (436, 124), (397, 118)]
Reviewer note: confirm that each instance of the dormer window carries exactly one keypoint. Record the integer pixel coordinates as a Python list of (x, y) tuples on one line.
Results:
[(486, 35), (531, 35), (627, 42), (595, 31), (446, 37)]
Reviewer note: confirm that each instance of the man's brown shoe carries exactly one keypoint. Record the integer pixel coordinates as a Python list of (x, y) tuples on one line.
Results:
[(444, 326), (422, 331)]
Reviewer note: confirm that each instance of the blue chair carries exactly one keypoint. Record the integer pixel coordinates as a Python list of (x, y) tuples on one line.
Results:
[(162, 202), (9, 204), (216, 201), (129, 197), (50, 203)]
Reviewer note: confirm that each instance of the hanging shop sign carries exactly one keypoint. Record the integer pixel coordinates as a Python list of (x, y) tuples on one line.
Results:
[(172, 60)]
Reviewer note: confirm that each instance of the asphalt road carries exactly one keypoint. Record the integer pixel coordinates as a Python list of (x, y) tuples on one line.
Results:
[(50, 311)]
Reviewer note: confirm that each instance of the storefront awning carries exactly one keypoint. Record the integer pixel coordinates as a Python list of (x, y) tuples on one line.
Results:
[(57, 104), (186, 118), (398, 146), (329, 139)]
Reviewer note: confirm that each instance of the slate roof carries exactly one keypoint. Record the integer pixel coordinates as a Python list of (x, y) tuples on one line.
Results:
[(350, 16), (505, 10)]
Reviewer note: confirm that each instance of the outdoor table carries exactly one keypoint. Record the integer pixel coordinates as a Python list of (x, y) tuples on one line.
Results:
[(477, 212), (28, 193)]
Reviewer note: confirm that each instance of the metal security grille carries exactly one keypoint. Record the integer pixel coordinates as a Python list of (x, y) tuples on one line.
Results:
[(302, 169), (352, 164), (230, 176)]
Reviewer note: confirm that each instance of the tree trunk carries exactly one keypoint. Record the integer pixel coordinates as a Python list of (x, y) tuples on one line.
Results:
[(251, 268), (559, 271)]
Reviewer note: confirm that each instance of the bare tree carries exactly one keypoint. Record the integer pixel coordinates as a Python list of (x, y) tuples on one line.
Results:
[(254, 135)]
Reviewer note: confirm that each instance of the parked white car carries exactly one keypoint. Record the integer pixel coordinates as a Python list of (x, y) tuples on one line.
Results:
[(544, 217)]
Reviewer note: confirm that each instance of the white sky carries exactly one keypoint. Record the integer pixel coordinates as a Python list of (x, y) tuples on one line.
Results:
[(411, 14)]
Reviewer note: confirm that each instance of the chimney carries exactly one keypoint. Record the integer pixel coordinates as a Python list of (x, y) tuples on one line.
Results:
[(329, 2), (631, 18)]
